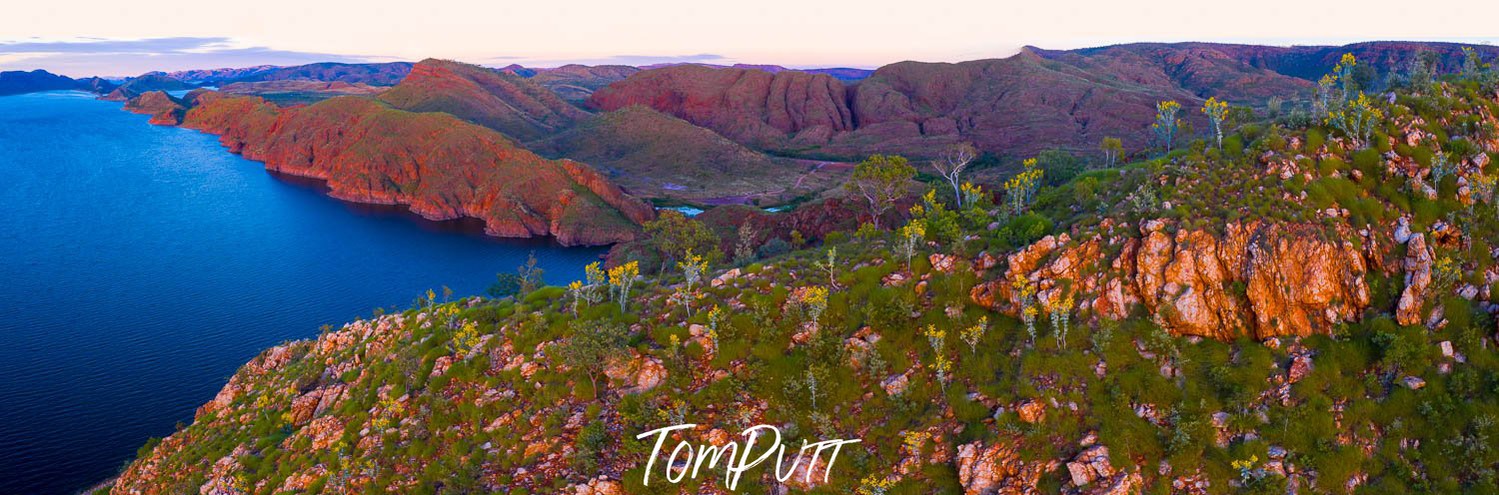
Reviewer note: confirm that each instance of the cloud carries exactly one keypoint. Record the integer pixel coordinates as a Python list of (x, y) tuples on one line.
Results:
[(116, 57)]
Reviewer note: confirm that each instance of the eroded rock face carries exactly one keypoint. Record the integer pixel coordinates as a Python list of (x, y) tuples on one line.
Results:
[(1417, 266), (995, 469), (439, 166), (1256, 279)]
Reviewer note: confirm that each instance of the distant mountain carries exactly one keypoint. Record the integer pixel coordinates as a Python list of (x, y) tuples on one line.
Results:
[(1035, 100), (575, 83), (378, 74), (146, 83), (516, 106), (18, 82), (844, 74)]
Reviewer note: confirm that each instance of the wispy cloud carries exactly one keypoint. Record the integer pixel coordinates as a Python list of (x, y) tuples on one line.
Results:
[(116, 57)]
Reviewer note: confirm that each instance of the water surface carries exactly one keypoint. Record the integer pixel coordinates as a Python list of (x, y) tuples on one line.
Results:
[(141, 265)]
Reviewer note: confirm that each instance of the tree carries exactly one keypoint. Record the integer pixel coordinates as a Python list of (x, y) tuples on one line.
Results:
[(881, 180), (674, 235), (744, 251), (1166, 122), (621, 278), (1357, 119), (1020, 188), (1217, 112), (1344, 71), (951, 163), (1112, 148), (592, 346), (530, 274), (505, 285), (693, 268)]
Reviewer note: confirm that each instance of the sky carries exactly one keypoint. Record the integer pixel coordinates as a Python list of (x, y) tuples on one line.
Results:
[(114, 38)]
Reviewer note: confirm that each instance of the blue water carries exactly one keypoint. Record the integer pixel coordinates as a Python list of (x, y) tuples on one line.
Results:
[(140, 266)]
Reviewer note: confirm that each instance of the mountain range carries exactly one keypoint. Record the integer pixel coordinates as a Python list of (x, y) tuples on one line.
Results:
[(767, 135)]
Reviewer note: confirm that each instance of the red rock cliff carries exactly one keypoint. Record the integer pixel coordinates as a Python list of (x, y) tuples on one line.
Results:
[(441, 167), (1256, 279)]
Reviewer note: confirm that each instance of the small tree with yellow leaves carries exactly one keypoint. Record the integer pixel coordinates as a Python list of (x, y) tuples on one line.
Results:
[(1021, 189), (1217, 112), (974, 334), (910, 236), (1357, 119), (941, 364), (1025, 295), (1166, 123), (693, 267), (621, 279), (1060, 313), (1113, 148)]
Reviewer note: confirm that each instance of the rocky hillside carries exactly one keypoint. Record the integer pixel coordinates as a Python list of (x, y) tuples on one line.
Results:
[(575, 83), (515, 106), (654, 155), (1016, 106), (1301, 309), (754, 107), (439, 166)]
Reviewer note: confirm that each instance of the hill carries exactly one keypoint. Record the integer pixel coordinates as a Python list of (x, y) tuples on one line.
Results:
[(19, 82), (439, 166), (654, 155), (146, 83), (513, 105), (1017, 106), (1306, 307), (575, 83)]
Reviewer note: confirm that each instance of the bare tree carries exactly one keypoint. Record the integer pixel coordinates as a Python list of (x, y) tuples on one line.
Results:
[(951, 163)]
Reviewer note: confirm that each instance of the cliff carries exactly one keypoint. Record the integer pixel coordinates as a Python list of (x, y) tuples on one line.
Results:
[(438, 165)]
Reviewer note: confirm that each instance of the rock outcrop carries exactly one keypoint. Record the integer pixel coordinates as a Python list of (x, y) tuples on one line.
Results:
[(439, 166), (1257, 279), (1417, 266), (996, 469)]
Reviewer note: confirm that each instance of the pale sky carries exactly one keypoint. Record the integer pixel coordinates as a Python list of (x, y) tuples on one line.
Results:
[(112, 37)]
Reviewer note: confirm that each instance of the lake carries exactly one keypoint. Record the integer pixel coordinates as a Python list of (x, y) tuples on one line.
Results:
[(140, 266)]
